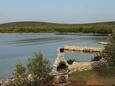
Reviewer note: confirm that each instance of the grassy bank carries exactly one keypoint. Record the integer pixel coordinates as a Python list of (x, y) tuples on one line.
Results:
[(84, 75), (44, 27), (91, 78)]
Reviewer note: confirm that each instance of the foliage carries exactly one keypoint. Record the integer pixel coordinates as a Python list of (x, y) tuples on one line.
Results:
[(38, 67), (70, 61), (38, 27), (101, 68), (97, 57), (20, 76), (109, 54), (20, 70)]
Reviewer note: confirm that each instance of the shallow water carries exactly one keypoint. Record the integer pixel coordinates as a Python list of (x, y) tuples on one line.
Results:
[(17, 48)]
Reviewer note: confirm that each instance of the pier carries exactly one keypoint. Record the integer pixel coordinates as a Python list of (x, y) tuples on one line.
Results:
[(83, 49)]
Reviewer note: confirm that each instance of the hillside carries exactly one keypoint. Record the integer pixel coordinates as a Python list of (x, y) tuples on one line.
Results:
[(37, 27)]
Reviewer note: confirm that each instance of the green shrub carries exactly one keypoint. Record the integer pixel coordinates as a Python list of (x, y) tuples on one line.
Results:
[(38, 67), (97, 57), (101, 68), (109, 51), (109, 54), (70, 61)]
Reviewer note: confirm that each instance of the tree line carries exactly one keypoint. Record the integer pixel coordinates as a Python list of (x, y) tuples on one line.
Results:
[(38, 27)]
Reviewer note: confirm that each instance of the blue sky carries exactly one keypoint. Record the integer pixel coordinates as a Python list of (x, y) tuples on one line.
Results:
[(61, 11)]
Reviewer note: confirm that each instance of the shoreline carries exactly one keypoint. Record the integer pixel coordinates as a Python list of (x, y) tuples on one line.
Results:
[(91, 34), (84, 34), (23, 33)]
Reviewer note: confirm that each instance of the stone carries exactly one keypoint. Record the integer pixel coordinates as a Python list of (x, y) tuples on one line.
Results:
[(60, 68)]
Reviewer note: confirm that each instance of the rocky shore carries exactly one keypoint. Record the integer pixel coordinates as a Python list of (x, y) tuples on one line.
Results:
[(83, 49), (84, 66)]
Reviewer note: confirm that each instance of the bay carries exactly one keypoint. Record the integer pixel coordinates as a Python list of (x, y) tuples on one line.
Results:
[(17, 48)]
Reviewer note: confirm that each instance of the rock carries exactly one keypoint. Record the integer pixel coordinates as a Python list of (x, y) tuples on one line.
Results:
[(60, 68), (80, 66), (84, 66), (30, 77)]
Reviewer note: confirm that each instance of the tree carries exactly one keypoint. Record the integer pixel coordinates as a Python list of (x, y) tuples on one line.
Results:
[(109, 51)]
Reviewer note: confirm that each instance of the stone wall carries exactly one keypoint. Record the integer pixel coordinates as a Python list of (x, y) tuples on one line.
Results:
[(84, 66), (83, 49), (80, 66)]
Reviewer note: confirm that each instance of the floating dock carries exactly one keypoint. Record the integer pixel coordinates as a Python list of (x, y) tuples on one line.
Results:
[(83, 49)]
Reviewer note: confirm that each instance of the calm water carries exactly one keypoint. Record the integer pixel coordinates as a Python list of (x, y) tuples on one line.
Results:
[(17, 48)]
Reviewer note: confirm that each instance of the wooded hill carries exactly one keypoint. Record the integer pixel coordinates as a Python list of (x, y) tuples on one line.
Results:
[(45, 27)]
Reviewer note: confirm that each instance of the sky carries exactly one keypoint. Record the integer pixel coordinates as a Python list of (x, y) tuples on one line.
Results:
[(58, 11)]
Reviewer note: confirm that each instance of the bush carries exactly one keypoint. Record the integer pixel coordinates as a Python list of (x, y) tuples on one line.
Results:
[(97, 57), (20, 70), (109, 52), (70, 61), (38, 67), (101, 67)]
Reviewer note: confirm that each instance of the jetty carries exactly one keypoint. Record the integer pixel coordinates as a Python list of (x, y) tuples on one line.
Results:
[(83, 49)]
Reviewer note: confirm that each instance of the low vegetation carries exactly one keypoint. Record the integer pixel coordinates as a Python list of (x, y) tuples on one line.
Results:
[(38, 27), (35, 74), (109, 51), (108, 54), (70, 61), (97, 57), (91, 78), (83, 76)]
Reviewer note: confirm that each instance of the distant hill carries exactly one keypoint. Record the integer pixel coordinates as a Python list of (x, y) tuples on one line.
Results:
[(39, 27)]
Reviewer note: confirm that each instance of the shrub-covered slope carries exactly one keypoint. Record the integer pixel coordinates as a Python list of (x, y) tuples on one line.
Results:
[(37, 27)]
